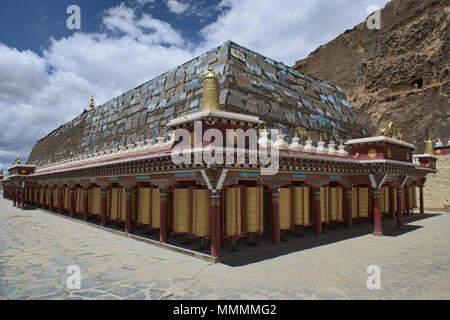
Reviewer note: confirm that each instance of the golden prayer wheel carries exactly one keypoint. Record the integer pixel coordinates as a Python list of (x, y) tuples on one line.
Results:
[(301, 206), (285, 208), (385, 200), (156, 209), (55, 197), (360, 202), (79, 200), (41, 196), (47, 197), (118, 204), (253, 210), (95, 200), (144, 214), (201, 213), (233, 226), (66, 198), (108, 203), (181, 210), (403, 199), (395, 200), (36, 195), (332, 204)]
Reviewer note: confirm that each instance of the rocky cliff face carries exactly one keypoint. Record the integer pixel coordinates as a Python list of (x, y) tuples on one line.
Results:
[(399, 73)]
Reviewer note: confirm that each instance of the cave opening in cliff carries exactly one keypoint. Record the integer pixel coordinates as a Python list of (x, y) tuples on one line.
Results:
[(418, 84)]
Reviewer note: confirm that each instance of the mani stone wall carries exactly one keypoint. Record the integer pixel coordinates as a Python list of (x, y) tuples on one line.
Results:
[(437, 186)]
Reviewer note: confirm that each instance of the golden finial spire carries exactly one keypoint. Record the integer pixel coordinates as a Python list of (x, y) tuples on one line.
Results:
[(17, 161), (92, 105), (211, 100), (296, 134), (429, 146)]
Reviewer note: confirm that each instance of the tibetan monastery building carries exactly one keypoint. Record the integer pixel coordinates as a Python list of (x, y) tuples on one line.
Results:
[(296, 158)]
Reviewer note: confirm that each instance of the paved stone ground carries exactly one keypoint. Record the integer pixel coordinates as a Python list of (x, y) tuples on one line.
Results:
[(36, 248)]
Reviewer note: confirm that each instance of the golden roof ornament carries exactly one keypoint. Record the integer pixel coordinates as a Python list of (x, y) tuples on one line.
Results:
[(92, 105), (17, 161), (392, 131), (429, 146), (211, 100)]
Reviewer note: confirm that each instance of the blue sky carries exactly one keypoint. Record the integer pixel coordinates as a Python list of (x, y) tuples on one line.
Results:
[(48, 73)]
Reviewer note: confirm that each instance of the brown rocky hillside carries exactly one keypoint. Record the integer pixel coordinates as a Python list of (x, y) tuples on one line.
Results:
[(399, 73)]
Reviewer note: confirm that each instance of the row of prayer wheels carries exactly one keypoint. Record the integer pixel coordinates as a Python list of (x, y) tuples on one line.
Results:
[(243, 207)]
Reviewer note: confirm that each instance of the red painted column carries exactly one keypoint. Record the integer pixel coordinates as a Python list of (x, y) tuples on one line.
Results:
[(276, 217), (103, 208), (85, 205), (376, 213), (128, 227), (399, 209), (60, 200), (50, 203), (163, 217), (349, 209), (318, 214), (22, 198), (215, 225), (422, 210), (71, 202)]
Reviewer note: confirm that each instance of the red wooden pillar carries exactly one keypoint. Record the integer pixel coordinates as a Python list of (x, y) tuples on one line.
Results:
[(276, 217), (103, 208), (128, 227), (163, 216), (422, 210), (376, 213), (60, 200), (22, 198), (215, 225), (85, 205), (71, 202), (392, 202), (50, 202), (349, 209), (399, 209), (318, 213)]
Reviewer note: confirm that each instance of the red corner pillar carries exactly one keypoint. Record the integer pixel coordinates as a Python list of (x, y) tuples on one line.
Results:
[(60, 200), (215, 225), (349, 209), (376, 213), (399, 209), (422, 210), (128, 227), (276, 216), (103, 207), (85, 205), (318, 213), (163, 216), (72, 202)]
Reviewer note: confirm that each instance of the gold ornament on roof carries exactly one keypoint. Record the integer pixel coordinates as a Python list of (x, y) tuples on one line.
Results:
[(392, 131), (92, 105), (211, 100), (429, 146), (17, 161)]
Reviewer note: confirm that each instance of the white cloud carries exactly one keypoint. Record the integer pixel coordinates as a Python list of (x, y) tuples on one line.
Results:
[(177, 6)]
